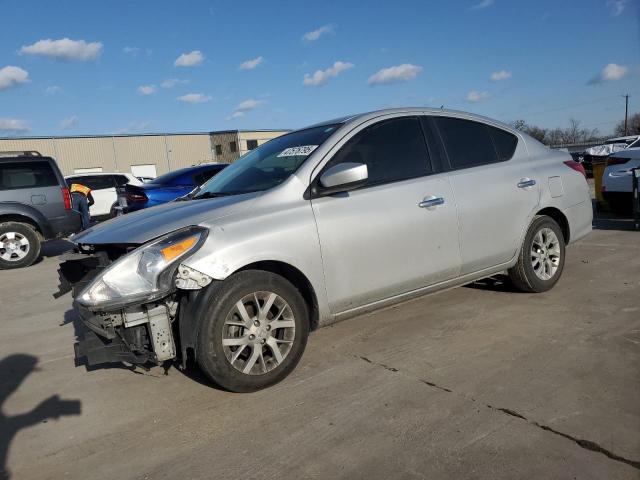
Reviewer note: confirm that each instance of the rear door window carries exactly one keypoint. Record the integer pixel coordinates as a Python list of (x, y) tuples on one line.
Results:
[(121, 180), (26, 174), (393, 150), (468, 143)]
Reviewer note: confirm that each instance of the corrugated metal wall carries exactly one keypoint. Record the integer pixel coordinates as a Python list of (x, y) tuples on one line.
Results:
[(261, 137), (187, 150), (118, 153)]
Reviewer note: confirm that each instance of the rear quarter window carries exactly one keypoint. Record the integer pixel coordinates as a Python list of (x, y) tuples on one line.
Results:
[(468, 143), (26, 174), (504, 142)]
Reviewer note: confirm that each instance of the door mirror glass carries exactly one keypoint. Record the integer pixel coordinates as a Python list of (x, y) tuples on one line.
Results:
[(344, 176)]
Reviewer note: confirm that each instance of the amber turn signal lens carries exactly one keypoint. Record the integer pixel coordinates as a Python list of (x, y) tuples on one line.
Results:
[(177, 249)]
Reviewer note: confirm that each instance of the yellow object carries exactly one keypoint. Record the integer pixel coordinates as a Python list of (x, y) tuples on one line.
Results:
[(172, 251), (79, 188), (598, 170)]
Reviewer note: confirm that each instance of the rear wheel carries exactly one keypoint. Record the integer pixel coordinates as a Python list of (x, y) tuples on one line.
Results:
[(19, 245), (253, 331), (541, 258)]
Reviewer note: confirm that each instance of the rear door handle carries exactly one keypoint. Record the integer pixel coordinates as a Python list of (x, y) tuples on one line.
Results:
[(526, 182), (430, 202)]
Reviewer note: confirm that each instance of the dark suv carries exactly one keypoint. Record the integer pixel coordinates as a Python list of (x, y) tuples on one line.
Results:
[(35, 205)]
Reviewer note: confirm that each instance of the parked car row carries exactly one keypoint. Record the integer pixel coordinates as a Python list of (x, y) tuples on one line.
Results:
[(318, 225), (600, 153), (36, 204), (617, 179)]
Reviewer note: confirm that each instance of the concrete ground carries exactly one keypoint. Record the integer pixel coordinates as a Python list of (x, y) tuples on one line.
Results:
[(475, 382)]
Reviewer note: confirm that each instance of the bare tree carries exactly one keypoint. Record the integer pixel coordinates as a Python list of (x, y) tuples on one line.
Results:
[(633, 126)]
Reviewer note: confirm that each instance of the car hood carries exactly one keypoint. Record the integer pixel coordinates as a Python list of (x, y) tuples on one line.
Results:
[(144, 225)]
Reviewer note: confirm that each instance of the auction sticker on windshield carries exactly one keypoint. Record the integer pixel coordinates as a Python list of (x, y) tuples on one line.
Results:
[(303, 150)]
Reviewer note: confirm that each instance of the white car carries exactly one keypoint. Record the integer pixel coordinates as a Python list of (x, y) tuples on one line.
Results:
[(103, 189), (617, 180)]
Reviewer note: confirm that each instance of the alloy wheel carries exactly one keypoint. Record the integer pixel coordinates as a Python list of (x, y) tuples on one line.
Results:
[(258, 333), (13, 246), (545, 253)]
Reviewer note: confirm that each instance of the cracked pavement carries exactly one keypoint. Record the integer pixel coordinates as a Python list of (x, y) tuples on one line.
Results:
[(475, 382)]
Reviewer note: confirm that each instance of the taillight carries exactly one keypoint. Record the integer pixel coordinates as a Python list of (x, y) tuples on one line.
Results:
[(616, 161), (66, 197), (137, 197), (576, 166)]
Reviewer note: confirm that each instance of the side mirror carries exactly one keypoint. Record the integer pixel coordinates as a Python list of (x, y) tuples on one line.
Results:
[(343, 177)]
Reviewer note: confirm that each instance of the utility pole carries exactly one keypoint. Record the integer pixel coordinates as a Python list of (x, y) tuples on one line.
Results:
[(626, 112)]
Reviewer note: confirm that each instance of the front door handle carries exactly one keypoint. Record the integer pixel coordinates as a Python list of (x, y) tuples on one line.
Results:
[(526, 183), (430, 202)]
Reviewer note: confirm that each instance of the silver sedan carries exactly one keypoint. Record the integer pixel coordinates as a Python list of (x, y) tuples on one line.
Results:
[(319, 225)]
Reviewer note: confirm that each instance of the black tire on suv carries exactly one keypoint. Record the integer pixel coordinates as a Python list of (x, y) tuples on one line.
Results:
[(19, 245)]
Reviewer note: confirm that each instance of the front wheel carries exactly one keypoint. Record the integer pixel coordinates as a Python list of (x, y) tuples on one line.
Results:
[(253, 331), (19, 245), (541, 258)]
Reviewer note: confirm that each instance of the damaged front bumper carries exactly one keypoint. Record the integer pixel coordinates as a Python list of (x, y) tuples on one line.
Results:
[(136, 334)]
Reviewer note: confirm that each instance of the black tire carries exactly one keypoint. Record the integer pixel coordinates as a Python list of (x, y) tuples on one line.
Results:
[(32, 247), (522, 274), (218, 303)]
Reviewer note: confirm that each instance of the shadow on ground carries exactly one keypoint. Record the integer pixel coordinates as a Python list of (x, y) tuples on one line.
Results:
[(14, 369), (55, 248)]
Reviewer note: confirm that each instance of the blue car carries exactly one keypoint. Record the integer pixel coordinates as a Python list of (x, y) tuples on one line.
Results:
[(167, 187)]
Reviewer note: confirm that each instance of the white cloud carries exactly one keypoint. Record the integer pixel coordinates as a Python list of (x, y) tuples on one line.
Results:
[(617, 6), (191, 59), (395, 74), (13, 125), (251, 64), (64, 49), (147, 89), (483, 4), (245, 106), (53, 90), (320, 77), (610, 73), (316, 34), (235, 115), (69, 122), (476, 96), (133, 51), (172, 82), (500, 75), (194, 98), (248, 105), (134, 127), (11, 76)]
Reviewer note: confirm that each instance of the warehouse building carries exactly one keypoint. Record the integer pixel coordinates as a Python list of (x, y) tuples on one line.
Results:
[(147, 155)]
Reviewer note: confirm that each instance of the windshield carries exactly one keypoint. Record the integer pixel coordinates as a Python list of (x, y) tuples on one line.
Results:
[(268, 165)]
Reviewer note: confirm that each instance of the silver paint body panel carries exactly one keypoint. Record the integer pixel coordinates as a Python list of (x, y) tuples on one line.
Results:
[(374, 246)]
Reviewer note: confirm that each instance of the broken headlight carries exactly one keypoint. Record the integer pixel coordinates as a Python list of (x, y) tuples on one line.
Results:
[(145, 274)]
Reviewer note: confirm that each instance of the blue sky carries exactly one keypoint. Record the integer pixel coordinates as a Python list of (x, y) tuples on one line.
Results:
[(310, 61)]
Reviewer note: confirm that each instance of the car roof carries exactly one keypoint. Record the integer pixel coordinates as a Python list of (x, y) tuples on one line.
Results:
[(86, 174), (362, 117), (622, 139), (25, 158)]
